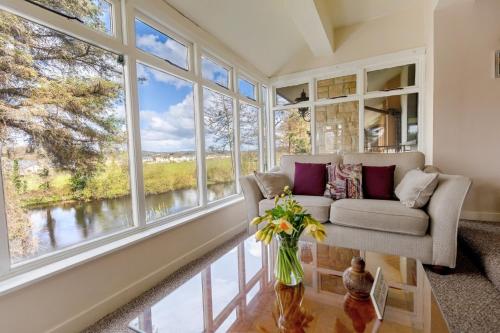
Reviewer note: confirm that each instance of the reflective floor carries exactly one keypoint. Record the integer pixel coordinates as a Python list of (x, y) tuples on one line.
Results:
[(236, 293)]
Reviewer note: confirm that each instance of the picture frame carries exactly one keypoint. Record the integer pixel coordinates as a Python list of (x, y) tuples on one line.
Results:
[(497, 64), (378, 293)]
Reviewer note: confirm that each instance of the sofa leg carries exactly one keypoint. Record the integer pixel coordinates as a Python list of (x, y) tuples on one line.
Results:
[(441, 270)]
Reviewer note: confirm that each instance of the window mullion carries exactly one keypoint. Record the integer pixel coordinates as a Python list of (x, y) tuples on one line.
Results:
[(236, 146), (133, 121), (4, 235), (360, 84), (201, 165)]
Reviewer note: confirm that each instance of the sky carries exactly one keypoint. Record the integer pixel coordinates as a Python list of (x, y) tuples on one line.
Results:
[(165, 101)]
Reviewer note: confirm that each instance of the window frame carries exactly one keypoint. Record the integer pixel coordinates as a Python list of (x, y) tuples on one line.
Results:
[(360, 69), (123, 42), (207, 82)]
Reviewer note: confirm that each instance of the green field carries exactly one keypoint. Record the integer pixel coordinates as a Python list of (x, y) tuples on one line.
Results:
[(112, 180)]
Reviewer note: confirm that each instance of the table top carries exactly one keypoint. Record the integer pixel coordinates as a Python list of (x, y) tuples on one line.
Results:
[(237, 293)]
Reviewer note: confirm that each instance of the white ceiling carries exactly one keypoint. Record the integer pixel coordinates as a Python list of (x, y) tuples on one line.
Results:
[(264, 32), (348, 12)]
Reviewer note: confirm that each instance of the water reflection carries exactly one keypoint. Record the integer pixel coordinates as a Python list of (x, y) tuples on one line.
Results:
[(63, 225)]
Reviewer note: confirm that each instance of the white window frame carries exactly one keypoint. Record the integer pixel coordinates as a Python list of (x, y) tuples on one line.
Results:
[(122, 41), (360, 68), (207, 82)]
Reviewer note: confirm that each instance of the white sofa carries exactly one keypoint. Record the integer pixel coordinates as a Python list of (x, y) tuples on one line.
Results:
[(428, 234)]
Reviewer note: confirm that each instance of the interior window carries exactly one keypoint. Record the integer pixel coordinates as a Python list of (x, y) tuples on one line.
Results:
[(292, 94), (337, 128), (337, 87), (292, 129), (391, 78), (391, 123)]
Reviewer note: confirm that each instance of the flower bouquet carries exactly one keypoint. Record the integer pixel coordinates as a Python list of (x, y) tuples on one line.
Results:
[(287, 220)]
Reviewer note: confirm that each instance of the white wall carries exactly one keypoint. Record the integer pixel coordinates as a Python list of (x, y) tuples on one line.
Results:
[(74, 299), (467, 100)]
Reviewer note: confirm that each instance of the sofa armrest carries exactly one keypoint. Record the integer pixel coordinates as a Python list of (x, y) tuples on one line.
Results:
[(431, 169), (252, 195), (444, 211)]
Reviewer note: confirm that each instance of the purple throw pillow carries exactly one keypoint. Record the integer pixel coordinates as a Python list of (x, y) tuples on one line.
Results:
[(310, 179), (378, 182)]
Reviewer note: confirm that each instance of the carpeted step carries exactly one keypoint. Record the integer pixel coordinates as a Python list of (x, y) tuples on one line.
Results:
[(468, 300), (481, 242)]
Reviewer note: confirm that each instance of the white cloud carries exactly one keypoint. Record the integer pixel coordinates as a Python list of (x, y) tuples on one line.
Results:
[(171, 130), (169, 49), (144, 71)]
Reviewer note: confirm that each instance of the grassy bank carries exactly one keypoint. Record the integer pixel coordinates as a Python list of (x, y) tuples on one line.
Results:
[(112, 180)]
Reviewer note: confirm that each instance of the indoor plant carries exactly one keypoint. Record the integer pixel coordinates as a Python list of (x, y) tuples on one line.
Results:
[(287, 220)]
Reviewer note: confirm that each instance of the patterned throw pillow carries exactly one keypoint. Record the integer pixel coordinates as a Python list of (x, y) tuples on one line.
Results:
[(344, 181)]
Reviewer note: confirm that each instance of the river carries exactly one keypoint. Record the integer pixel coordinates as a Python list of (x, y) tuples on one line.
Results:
[(63, 225)]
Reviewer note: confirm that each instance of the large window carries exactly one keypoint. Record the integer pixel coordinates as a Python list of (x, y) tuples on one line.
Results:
[(64, 140), (249, 138), (219, 144), (168, 142), (105, 134)]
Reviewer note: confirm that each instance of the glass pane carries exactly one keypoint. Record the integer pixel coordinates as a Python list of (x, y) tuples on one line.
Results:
[(336, 87), (150, 40), (292, 94), (391, 78), (168, 142), (225, 286), (219, 144), (214, 72), (226, 325), (249, 138), (64, 152), (253, 257), (264, 128), (252, 293), (246, 89), (292, 133), (391, 123), (179, 311), (97, 14), (337, 128)]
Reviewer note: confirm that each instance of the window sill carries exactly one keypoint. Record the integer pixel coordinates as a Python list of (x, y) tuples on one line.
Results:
[(24, 279)]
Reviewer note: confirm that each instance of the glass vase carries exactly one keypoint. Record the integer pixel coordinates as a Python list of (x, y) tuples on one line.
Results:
[(288, 269)]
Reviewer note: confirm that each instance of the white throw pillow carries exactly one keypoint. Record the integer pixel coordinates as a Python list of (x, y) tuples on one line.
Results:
[(416, 188), (271, 184)]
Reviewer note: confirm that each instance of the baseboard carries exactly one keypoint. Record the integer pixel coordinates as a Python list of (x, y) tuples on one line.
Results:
[(120, 298), (480, 216)]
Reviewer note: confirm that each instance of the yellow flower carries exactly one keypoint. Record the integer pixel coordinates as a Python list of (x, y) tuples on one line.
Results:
[(259, 234), (256, 220), (284, 225)]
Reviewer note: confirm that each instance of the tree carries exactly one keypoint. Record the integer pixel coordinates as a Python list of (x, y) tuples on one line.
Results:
[(218, 112), (292, 133), (57, 92)]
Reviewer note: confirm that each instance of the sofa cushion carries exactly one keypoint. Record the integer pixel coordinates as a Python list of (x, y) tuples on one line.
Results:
[(382, 215), (404, 161), (317, 206), (378, 182), (287, 162), (310, 178)]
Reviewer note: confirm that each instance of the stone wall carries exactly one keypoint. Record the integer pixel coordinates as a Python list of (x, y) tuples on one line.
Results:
[(337, 127)]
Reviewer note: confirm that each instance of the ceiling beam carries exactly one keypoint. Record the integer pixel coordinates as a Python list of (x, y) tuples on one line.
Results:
[(314, 22)]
